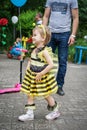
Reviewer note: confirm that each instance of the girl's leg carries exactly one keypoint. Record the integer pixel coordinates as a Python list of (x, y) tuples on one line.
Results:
[(30, 100), (29, 115), (50, 100), (53, 107)]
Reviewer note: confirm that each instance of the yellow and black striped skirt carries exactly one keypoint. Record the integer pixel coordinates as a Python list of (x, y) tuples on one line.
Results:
[(44, 88)]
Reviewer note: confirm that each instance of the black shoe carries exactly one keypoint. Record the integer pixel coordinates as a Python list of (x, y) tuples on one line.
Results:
[(60, 91)]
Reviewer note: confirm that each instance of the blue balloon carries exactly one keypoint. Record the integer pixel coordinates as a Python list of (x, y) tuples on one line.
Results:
[(18, 3)]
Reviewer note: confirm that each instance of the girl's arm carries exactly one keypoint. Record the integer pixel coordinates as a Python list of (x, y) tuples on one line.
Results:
[(49, 66), (28, 65)]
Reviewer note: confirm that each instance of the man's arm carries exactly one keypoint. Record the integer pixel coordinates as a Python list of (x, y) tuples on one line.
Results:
[(75, 23), (46, 16)]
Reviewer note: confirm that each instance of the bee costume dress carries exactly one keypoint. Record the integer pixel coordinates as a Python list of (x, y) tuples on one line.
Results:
[(48, 84)]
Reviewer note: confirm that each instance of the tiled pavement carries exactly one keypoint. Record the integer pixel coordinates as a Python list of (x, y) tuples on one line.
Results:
[(73, 105)]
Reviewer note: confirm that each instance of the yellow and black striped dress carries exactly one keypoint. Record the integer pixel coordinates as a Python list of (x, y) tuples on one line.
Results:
[(47, 85)]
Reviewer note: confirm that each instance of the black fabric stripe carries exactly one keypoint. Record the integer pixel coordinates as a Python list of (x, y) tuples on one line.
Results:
[(39, 91), (33, 74), (39, 87), (27, 105), (33, 78), (35, 68), (42, 82), (39, 60)]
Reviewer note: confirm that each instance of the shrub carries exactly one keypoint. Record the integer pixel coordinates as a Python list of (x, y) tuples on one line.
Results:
[(26, 20)]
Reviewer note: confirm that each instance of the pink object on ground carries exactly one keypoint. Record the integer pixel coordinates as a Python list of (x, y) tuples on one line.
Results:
[(10, 90)]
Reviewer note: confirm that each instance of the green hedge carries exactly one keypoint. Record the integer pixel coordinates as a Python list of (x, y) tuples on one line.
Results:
[(26, 20)]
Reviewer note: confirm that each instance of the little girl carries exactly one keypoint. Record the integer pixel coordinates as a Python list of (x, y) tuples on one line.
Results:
[(39, 80)]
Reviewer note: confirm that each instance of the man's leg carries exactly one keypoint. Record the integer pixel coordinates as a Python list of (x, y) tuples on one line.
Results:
[(62, 56), (53, 43)]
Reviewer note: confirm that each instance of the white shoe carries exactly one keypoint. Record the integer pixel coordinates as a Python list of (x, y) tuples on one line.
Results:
[(26, 117), (53, 115)]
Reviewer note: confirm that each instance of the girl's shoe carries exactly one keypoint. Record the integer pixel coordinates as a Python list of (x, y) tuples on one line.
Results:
[(26, 117), (52, 115)]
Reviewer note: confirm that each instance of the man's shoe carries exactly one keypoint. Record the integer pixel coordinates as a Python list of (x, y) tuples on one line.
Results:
[(60, 91)]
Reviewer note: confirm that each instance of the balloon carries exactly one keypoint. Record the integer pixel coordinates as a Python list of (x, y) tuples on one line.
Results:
[(85, 37), (3, 42), (3, 28), (14, 19), (4, 35), (33, 24), (18, 3)]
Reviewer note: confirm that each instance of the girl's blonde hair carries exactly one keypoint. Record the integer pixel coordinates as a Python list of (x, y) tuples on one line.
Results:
[(45, 32)]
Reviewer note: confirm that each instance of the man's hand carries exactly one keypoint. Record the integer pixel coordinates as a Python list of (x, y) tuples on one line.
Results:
[(71, 40)]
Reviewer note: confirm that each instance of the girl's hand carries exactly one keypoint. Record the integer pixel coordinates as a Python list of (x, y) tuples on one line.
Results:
[(38, 77)]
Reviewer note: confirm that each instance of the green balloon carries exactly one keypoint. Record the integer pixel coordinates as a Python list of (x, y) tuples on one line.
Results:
[(3, 28), (3, 42), (4, 35)]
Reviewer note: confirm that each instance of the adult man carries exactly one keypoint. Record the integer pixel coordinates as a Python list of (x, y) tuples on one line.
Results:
[(59, 13), (38, 18)]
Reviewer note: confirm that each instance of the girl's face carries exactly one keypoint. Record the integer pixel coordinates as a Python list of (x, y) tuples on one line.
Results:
[(37, 38)]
